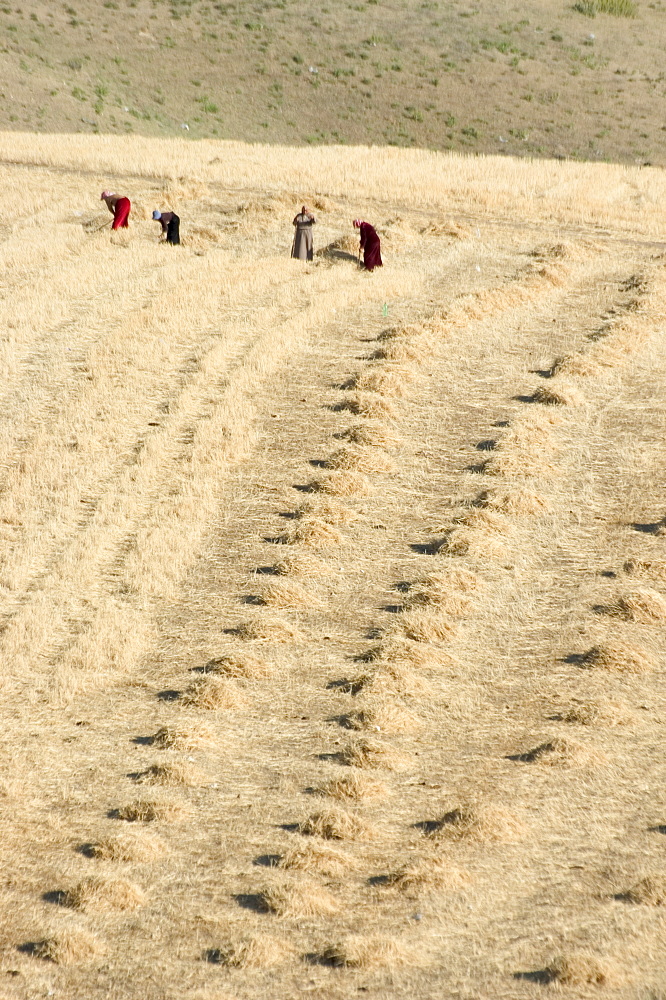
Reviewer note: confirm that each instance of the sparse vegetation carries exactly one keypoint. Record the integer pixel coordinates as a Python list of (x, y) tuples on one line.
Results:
[(265, 76)]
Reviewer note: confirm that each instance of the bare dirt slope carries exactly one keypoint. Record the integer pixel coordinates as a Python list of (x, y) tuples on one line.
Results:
[(579, 79), (333, 603)]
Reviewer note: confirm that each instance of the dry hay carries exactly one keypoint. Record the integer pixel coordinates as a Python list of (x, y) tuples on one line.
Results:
[(102, 893), (447, 591), (154, 810), (583, 365), (346, 243), (640, 567), (398, 349), (140, 847), (214, 693), (69, 946), (559, 393), (603, 712), (449, 603), (514, 500), (643, 606), (181, 738), (363, 459), (406, 331), (397, 649), (288, 594), (353, 787), (582, 968), (619, 346), (519, 464), (455, 230), (383, 715), (264, 628), (636, 282), (486, 520), (313, 532), (482, 822), (472, 542), (620, 656), (298, 899), (371, 434), (371, 406), (426, 626), (396, 234), (301, 564), (623, 341), (385, 380), (562, 753), (172, 773), (555, 251), (486, 302), (372, 755), (316, 858), (344, 484), (336, 824), (96, 223), (325, 509), (389, 679), (428, 874), (274, 205), (372, 952), (260, 951), (182, 189), (649, 891), (532, 428), (462, 580), (322, 204), (239, 665), (141, 211), (551, 273), (202, 237)]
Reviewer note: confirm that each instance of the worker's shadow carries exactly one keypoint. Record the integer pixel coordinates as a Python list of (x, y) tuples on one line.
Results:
[(332, 253)]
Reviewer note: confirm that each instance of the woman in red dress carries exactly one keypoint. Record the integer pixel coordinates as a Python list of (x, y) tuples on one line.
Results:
[(370, 245), (119, 208)]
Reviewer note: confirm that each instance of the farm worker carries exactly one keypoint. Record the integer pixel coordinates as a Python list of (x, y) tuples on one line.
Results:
[(119, 208), (170, 225), (303, 247), (369, 244)]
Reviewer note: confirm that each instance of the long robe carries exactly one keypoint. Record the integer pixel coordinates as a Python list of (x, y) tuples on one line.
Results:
[(370, 246), (303, 248)]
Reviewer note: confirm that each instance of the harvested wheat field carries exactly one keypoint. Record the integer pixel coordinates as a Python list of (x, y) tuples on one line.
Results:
[(333, 603)]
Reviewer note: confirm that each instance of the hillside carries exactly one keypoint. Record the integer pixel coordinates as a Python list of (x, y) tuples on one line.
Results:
[(531, 79), (333, 604)]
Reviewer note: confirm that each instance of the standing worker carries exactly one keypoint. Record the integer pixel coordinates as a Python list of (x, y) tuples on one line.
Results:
[(303, 246), (119, 208), (369, 244), (170, 225)]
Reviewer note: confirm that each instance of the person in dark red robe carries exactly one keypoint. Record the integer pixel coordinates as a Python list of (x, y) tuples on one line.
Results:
[(119, 208), (369, 244)]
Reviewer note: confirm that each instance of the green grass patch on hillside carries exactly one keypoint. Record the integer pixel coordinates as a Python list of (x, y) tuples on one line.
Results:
[(618, 8)]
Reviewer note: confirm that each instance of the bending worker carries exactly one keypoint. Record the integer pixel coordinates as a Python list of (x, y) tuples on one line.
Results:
[(119, 208), (170, 223), (369, 244)]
